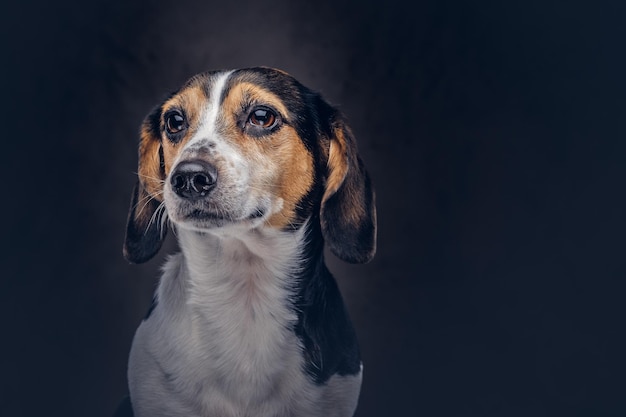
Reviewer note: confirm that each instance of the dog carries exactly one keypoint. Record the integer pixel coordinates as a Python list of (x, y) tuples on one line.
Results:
[(255, 173)]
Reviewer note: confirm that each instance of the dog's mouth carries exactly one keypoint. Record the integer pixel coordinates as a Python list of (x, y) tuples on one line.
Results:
[(199, 214), (210, 216)]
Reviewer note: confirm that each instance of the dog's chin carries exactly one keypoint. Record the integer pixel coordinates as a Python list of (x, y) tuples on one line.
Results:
[(205, 220)]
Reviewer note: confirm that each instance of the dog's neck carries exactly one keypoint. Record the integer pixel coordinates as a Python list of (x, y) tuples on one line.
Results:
[(257, 269), (216, 255)]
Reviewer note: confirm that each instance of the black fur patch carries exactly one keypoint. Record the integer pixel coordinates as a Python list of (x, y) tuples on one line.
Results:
[(324, 328), (352, 242), (153, 120), (144, 235)]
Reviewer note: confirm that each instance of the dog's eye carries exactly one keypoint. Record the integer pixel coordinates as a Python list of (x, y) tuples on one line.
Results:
[(264, 118), (175, 122)]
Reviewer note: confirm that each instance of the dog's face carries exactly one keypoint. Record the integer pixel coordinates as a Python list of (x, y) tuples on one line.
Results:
[(232, 154), (237, 150)]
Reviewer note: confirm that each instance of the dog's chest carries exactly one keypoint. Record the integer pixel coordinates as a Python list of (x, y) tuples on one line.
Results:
[(242, 326), (222, 339)]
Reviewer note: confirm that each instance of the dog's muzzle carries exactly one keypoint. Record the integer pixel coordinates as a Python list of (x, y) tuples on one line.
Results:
[(193, 180)]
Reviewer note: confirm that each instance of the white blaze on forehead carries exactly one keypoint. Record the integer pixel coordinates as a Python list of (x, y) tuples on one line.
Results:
[(210, 114)]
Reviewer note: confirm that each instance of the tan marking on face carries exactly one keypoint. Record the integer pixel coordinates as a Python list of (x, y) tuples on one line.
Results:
[(191, 101), (281, 164), (295, 180)]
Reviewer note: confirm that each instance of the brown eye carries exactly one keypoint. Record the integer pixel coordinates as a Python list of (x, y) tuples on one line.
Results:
[(175, 122), (264, 118)]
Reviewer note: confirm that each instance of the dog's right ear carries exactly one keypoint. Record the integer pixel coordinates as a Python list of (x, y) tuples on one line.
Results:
[(145, 230), (348, 209)]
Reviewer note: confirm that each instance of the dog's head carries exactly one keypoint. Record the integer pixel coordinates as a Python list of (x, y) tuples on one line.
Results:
[(237, 150)]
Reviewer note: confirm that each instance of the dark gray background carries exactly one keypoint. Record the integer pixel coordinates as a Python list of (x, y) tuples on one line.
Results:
[(494, 132)]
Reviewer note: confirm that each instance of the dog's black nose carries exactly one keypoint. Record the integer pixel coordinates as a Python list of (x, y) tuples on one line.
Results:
[(193, 179)]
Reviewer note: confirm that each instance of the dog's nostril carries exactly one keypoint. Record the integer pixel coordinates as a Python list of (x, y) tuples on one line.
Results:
[(179, 182), (202, 183)]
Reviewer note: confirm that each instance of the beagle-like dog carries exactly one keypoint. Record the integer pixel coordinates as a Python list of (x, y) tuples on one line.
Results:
[(254, 172)]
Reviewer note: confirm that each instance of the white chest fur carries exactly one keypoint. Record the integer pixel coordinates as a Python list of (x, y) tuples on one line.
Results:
[(220, 341)]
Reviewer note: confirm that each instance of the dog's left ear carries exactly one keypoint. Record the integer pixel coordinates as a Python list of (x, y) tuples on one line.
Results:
[(348, 211), (144, 230)]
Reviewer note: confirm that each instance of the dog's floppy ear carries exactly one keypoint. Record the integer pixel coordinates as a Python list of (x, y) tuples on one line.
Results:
[(348, 211), (145, 230)]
